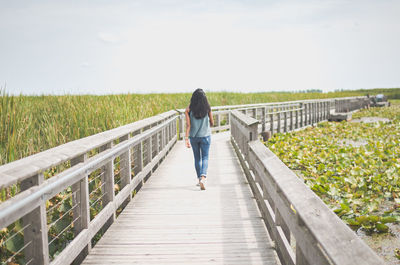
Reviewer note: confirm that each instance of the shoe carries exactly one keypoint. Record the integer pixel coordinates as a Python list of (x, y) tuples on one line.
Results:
[(202, 182)]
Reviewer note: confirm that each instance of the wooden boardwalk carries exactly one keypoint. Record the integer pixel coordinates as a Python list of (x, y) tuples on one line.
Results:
[(170, 221)]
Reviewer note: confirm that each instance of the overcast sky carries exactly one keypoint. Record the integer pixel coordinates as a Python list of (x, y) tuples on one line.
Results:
[(142, 46)]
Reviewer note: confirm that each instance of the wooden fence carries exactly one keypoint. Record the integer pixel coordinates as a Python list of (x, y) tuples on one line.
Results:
[(283, 116), (304, 229), (123, 158)]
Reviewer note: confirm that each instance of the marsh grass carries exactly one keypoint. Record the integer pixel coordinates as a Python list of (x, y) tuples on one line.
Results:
[(31, 124)]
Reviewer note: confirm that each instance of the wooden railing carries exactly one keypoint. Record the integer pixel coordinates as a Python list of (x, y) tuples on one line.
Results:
[(84, 184), (304, 229), (282, 116), (96, 187)]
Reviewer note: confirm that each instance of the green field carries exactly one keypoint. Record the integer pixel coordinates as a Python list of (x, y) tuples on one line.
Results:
[(30, 124)]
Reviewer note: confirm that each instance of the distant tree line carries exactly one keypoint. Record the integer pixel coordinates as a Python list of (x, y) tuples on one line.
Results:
[(309, 91)]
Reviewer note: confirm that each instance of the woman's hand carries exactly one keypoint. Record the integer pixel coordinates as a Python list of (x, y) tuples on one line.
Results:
[(187, 143)]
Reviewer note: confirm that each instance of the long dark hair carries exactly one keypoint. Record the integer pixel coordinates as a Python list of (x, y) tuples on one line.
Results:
[(199, 105)]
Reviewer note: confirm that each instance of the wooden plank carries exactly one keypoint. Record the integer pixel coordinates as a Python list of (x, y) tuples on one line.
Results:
[(171, 221)]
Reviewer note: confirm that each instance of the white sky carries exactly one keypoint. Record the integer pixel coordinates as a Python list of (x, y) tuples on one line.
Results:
[(143, 46)]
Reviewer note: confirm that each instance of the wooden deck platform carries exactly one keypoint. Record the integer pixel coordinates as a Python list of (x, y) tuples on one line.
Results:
[(170, 221)]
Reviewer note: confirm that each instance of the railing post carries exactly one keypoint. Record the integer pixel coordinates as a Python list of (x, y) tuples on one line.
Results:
[(163, 135), (326, 110), (253, 132), (301, 115), (35, 235), (291, 121), (314, 113), (171, 132), (80, 204), (108, 179), (263, 112), (297, 119), (139, 158), (272, 123), (125, 167), (305, 114), (336, 106), (279, 122), (158, 142), (181, 126), (321, 111), (285, 121), (252, 136), (218, 120), (149, 149)]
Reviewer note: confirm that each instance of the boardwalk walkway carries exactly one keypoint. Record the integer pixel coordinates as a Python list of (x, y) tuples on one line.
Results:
[(170, 221)]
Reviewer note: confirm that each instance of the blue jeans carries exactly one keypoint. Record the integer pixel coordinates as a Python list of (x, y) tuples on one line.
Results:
[(201, 147)]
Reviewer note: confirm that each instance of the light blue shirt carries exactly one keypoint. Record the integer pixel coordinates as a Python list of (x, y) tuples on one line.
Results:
[(199, 127)]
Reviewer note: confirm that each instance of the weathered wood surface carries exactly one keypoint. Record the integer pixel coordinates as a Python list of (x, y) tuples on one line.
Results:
[(171, 221)]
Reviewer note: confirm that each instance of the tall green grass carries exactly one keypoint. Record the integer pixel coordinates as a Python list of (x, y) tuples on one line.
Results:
[(31, 124)]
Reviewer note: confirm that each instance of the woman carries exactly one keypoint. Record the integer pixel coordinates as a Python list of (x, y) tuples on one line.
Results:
[(199, 120)]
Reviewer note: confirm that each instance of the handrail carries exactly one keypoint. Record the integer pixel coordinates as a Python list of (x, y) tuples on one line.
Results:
[(32, 165), (132, 161), (290, 209), (39, 194)]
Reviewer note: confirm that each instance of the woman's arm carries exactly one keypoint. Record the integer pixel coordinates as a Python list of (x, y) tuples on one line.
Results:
[(187, 127), (211, 118)]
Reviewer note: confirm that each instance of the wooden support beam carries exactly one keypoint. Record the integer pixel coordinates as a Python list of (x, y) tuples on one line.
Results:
[(80, 204), (35, 235)]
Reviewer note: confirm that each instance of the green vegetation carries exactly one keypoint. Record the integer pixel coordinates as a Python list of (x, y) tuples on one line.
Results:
[(353, 167), (30, 124)]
